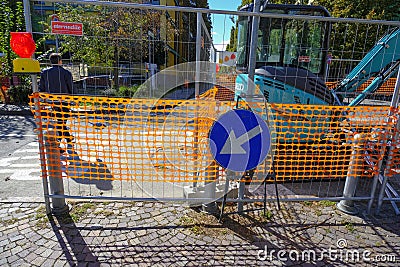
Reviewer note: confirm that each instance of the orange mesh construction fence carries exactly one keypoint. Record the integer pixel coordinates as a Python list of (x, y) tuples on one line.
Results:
[(167, 140), (387, 87), (394, 166)]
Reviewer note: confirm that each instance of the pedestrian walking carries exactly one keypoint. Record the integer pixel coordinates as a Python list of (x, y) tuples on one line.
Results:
[(57, 80)]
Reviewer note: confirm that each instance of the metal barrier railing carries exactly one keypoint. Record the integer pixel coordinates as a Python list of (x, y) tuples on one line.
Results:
[(155, 149), (152, 143)]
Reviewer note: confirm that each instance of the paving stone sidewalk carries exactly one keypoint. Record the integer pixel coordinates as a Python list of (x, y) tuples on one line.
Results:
[(157, 234)]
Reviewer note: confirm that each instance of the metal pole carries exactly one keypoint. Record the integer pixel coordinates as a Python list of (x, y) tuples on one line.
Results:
[(241, 196), (55, 172), (209, 190), (253, 48), (56, 43), (38, 120), (347, 206), (393, 106), (198, 55)]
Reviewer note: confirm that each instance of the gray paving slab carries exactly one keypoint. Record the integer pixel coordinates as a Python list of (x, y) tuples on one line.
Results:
[(296, 235)]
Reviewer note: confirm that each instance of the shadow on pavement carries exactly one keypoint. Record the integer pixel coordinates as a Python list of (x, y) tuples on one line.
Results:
[(72, 242), (199, 240), (85, 172), (13, 127)]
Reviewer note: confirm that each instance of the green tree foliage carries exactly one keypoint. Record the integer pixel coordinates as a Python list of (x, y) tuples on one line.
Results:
[(352, 41), (112, 35), (232, 40), (234, 30), (11, 20), (188, 32), (361, 35), (115, 34)]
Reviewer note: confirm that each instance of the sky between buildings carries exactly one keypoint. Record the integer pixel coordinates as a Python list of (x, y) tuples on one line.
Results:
[(222, 24)]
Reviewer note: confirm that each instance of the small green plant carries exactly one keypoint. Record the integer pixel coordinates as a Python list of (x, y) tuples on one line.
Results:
[(327, 203), (197, 230), (307, 203), (9, 221), (186, 220), (41, 217), (127, 91), (349, 226), (267, 215), (318, 213), (19, 94), (79, 210)]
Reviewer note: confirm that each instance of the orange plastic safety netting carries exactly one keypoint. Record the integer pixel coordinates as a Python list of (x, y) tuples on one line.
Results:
[(129, 139), (387, 87), (394, 161), (167, 140), (317, 142)]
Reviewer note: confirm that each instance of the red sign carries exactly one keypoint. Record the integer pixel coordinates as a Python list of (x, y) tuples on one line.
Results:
[(22, 44), (69, 28)]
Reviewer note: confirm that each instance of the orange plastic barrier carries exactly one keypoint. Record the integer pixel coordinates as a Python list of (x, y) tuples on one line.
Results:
[(167, 140), (387, 87)]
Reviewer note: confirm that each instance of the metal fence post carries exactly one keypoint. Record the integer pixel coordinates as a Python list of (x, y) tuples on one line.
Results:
[(210, 188), (347, 205), (54, 172), (198, 54), (38, 119), (253, 48), (393, 105), (241, 197)]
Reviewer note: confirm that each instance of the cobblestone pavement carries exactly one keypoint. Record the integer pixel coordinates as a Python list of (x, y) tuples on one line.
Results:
[(156, 234)]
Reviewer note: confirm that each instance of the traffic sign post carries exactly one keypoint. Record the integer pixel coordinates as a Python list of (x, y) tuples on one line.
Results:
[(240, 140)]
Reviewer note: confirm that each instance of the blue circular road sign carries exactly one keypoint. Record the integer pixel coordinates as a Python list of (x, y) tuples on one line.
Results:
[(240, 140)]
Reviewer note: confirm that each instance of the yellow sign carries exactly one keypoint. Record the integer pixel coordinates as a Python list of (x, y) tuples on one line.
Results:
[(26, 65)]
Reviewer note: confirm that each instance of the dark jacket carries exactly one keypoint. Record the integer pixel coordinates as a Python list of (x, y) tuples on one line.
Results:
[(56, 80)]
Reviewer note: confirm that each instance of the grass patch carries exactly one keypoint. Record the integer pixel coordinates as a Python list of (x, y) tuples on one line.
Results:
[(79, 211), (350, 227), (41, 217), (185, 220), (327, 203), (197, 230), (307, 203), (267, 215), (106, 213), (9, 221), (200, 223)]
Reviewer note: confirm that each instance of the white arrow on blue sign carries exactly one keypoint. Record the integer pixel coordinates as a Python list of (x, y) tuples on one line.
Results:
[(240, 140)]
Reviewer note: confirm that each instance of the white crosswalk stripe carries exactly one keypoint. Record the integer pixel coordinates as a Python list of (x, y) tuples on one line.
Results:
[(23, 164)]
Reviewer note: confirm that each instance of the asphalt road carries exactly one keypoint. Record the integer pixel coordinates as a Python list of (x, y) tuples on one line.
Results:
[(19, 158), (16, 132)]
